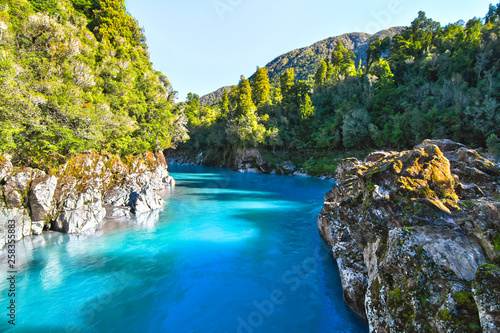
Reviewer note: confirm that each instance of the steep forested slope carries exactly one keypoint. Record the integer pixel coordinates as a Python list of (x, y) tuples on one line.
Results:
[(306, 60), (74, 75), (427, 81)]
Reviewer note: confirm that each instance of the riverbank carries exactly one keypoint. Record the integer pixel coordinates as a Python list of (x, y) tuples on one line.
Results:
[(313, 163), (77, 197)]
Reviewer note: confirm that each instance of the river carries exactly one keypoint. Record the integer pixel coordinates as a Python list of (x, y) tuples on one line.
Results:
[(229, 252)]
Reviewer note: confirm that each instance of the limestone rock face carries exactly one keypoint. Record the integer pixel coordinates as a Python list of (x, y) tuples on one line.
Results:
[(22, 223), (41, 196), (81, 210), (249, 159), (17, 185), (411, 231), (84, 191)]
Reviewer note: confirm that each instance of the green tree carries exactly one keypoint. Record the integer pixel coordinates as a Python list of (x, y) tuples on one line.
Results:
[(192, 109), (112, 23), (306, 109), (493, 144), (244, 100), (224, 103), (355, 132), (287, 81), (64, 91), (321, 73), (376, 49), (260, 87), (343, 61)]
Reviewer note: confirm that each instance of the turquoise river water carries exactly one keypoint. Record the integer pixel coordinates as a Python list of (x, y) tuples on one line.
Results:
[(229, 252)]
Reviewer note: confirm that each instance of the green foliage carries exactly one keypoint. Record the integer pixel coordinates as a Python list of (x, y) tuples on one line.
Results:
[(224, 103), (428, 81), (245, 128), (376, 50), (493, 144), (342, 61), (287, 82), (245, 103), (260, 87), (64, 92), (321, 73), (86, 7), (47, 6)]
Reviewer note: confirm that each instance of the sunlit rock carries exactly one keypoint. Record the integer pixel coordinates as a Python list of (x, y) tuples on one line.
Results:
[(410, 231)]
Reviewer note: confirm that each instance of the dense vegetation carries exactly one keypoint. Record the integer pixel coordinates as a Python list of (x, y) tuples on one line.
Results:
[(306, 60), (76, 75), (429, 81)]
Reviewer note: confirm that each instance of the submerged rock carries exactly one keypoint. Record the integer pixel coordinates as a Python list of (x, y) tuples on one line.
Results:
[(85, 190), (410, 232)]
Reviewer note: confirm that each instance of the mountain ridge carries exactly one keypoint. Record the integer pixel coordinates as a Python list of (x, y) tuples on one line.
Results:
[(305, 60)]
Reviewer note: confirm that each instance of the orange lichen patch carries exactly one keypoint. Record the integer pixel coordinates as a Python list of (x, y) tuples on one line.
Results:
[(450, 203), (413, 169), (115, 165), (150, 156), (150, 159), (412, 184), (397, 166), (436, 204), (160, 158), (82, 166)]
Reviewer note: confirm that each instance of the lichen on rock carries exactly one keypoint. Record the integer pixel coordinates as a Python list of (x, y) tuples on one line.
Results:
[(409, 231)]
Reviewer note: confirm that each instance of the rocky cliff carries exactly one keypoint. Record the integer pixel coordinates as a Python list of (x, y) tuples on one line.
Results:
[(416, 236), (77, 197)]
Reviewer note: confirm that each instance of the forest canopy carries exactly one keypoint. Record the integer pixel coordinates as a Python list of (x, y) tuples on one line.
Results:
[(76, 75), (429, 81)]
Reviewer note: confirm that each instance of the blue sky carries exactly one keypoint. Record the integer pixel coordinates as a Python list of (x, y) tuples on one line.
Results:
[(202, 45)]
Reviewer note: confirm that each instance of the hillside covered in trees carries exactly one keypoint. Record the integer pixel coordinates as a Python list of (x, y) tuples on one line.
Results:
[(75, 75), (306, 60), (428, 81)]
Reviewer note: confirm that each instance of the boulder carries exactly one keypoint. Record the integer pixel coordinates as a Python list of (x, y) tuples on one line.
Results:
[(472, 157), (5, 167), (486, 289), (22, 223), (248, 159), (41, 196), (144, 201), (286, 168), (445, 145), (81, 210), (407, 243), (17, 186)]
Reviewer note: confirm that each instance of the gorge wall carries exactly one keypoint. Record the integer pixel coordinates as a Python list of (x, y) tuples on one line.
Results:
[(81, 194), (416, 236)]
